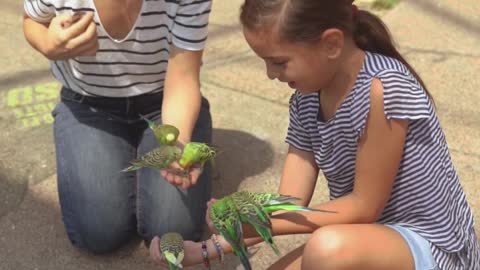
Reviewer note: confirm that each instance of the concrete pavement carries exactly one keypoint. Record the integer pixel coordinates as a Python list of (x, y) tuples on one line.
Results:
[(440, 38)]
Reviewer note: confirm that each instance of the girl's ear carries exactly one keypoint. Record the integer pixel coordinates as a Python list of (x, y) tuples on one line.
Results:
[(333, 41)]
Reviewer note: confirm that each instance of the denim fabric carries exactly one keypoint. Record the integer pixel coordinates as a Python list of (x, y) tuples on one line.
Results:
[(102, 207)]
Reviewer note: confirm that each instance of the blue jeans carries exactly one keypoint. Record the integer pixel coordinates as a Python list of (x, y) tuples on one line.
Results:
[(102, 207)]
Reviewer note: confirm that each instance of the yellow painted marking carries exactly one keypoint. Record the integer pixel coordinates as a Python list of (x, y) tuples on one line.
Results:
[(33, 104)]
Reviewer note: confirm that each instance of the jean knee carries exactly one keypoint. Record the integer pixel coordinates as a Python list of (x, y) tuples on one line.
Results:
[(99, 239), (189, 230)]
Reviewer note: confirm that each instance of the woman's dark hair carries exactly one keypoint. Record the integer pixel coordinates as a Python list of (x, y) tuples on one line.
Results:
[(306, 20)]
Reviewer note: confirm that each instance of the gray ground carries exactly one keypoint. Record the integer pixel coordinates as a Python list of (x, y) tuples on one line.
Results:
[(441, 38)]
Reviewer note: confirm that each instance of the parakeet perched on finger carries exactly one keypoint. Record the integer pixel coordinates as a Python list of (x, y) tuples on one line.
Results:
[(226, 220), (253, 213), (164, 133), (195, 153), (159, 158), (171, 245)]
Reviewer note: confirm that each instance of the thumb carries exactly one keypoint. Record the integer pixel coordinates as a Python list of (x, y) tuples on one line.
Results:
[(65, 20), (211, 201)]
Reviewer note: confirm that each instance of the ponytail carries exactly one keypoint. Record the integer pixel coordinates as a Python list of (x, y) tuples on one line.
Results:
[(304, 21), (371, 34)]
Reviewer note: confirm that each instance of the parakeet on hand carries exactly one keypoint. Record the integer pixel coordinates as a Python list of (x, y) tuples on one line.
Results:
[(159, 158), (195, 153), (164, 133), (171, 245), (272, 202), (226, 220), (256, 208), (253, 213)]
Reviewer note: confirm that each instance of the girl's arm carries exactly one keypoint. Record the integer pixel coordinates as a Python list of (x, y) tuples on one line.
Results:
[(379, 153), (300, 173)]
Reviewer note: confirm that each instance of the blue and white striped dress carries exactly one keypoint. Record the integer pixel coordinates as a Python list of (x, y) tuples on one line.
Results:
[(427, 196)]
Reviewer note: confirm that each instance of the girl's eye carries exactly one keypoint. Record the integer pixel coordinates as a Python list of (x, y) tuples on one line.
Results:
[(279, 63)]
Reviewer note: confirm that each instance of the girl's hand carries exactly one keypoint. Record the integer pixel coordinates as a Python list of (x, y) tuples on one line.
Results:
[(207, 216), (193, 253), (175, 175), (69, 36)]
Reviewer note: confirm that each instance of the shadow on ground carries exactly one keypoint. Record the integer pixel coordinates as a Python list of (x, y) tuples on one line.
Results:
[(28, 193)]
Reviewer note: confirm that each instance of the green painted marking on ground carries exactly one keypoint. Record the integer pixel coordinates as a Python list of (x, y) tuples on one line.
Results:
[(32, 105)]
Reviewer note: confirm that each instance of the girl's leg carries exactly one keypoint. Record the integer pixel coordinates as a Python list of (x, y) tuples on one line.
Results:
[(357, 246), (97, 200), (163, 207)]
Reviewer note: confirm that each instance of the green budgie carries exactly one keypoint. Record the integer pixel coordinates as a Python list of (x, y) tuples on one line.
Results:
[(253, 213), (272, 202), (159, 158), (164, 133), (171, 245), (195, 153), (226, 220)]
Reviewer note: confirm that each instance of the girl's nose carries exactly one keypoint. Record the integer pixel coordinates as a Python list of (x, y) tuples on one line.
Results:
[(271, 73)]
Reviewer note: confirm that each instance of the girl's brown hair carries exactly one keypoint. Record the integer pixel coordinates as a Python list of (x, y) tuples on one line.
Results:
[(306, 20)]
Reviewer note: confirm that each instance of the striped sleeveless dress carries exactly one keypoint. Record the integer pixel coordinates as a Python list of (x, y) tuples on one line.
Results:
[(427, 197)]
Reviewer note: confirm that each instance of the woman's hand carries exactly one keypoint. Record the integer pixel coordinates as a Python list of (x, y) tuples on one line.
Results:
[(69, 36), (207, 216), (177, 176), (192, 250)]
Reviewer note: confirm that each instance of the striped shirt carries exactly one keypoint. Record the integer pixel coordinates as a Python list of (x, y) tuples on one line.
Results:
[(136, 64), (427, 197)]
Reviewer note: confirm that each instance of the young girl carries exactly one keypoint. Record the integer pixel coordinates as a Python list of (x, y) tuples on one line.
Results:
[(362, 116), (111, 57)]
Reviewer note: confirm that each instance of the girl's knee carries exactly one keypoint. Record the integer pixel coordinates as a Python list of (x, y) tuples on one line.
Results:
[(328, 248), (327, 242)]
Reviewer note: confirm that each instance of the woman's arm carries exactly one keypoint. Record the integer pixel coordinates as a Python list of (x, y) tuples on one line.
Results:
[(181, 104), (66, 36), (182, 97)]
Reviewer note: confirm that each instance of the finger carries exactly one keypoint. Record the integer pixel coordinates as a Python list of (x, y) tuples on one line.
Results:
[(65, 20), (211, 201), (178, 180), (170, 178), (155, 250), (186, 184), (167, 176), (88, 37), (80, 26), (194, 175)]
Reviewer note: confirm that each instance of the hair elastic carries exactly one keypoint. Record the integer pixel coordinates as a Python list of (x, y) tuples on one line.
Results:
[(219, 248), (354, 11)]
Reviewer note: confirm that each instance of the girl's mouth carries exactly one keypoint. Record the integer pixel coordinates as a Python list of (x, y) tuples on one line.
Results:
[(292, 85)]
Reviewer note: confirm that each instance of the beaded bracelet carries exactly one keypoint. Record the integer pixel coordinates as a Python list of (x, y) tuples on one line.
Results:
[(206, 261), (218, 247)]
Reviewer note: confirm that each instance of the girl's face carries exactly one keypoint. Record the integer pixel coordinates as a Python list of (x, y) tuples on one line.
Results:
[(305, 67)]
